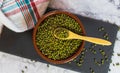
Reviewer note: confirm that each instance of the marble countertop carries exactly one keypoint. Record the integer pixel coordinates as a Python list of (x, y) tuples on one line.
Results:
[(93, 9)]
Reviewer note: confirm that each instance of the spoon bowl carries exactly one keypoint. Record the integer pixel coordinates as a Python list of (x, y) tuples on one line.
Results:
[(65, 34)]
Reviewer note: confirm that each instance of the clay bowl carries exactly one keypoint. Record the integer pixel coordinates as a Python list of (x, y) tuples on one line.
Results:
[(73, 56)]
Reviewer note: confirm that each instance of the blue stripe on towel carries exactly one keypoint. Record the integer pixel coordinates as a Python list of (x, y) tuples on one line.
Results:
[(30, 10)]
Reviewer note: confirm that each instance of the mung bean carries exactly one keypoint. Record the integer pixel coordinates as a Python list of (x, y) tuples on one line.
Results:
[(52, 47)]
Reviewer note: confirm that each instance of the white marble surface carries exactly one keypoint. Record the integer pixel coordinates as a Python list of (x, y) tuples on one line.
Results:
[(106, 10), (110, 12)]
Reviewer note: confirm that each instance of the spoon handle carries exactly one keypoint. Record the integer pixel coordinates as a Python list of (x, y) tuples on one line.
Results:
[(92, 39)]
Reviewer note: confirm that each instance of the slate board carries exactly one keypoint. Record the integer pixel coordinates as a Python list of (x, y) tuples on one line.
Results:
[(20, 44)]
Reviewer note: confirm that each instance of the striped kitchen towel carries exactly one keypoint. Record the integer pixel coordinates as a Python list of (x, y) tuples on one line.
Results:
[(21, 15)]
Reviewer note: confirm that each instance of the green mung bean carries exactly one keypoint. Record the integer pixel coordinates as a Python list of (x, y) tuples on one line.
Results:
[(79, 64), (61, 33), (22, 71), (94, 52), (25, 67), (113, 64), (109, 69), (74, 60), (52, 47), (110, 61), (106, 36), (48, 65), (102, 61), (69, 62), (117, 64), (118, 54), (91, 70), (101, 28)]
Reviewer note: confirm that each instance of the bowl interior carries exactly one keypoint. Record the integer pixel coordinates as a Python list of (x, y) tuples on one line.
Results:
[(70, 58)]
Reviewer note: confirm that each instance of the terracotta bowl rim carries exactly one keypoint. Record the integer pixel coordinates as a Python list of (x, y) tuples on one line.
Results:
[(69, 58)]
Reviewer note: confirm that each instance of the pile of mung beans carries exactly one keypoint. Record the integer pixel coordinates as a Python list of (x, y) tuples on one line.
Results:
[(52, 47)]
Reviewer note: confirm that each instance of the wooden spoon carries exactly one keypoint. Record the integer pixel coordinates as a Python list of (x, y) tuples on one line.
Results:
[(72, 35)]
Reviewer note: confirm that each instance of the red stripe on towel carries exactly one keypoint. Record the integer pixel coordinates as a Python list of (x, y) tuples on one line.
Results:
[(35, 9)]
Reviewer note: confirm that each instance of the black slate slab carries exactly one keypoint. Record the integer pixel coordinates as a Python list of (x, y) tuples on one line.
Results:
[(20, 44)]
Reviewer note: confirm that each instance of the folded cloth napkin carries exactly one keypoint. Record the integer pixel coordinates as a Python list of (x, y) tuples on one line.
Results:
[(21, 15), (106, 10)]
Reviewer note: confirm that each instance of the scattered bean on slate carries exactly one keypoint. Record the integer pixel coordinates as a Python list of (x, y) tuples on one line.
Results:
[(96, 62), (74, 60), (102, 52), (52, 47), (106, 36), (101, 28), (69, 62), (93, 45), (102, 61), (91, 70), (80, 60), (79, 64), (93, 51), (109, 69), (112, 54), (110, 61)]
